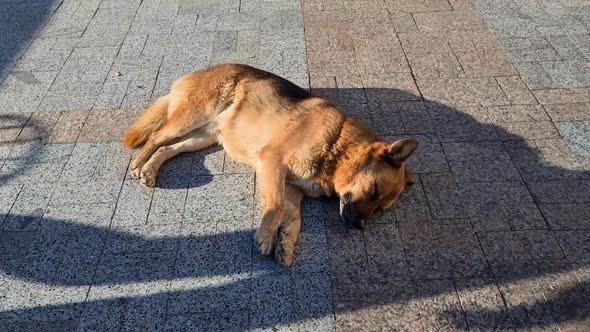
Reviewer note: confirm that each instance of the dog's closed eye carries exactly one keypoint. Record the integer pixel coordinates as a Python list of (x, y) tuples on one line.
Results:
[(375, 192)]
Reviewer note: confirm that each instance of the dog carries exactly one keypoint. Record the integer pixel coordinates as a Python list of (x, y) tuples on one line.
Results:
[(297, 142)]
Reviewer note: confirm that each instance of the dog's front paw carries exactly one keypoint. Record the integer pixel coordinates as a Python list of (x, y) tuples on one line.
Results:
[(135, 172), (284, 250), (147, 177), (265, 240)]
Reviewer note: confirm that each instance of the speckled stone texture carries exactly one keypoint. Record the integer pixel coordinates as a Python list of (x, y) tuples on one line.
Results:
[(494, 235)]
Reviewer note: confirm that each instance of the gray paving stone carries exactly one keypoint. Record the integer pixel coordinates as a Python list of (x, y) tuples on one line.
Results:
[(17, 172), (211, 209), (123, 268), (97, 215), (311, 255), (133, 205), (314, 303), (564, 74), (8, 194), (22, 91), (347, 253), (85, 193), (29, 207), (566, 47), (102, 315), (501, 206), (433, 253), (566, 216), (577, 134), (81, 96), (385, 253), (272, 302), (457, 125), (167, 206), (575, 244), (216, 321), (144, 238), (444, 198), (539, 244), (232, 293), (534, 75), (560, 191)]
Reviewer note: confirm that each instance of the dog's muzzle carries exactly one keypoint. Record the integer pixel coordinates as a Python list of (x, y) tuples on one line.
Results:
[(349, 214)]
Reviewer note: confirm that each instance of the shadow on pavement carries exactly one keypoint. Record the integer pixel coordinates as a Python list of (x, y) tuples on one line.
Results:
[(19, 22), (478, 185)]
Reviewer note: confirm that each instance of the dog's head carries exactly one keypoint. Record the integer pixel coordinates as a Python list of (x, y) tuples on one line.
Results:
[(372, 177)]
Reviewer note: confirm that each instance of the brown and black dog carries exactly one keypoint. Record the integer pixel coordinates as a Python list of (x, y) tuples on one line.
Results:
[(298, 143)]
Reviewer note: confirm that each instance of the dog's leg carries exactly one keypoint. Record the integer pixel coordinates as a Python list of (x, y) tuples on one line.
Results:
[(290, 226), (272, 176), (180, 124), (194, 141)]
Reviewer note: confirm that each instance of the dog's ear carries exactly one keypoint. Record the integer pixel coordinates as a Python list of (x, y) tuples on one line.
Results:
[(400, 151)]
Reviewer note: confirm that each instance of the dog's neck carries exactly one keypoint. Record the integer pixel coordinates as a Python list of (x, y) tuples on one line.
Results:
[(352, 137)]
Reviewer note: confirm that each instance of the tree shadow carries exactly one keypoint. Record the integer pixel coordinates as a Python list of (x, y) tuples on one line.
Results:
[(478, 186), (19, 160), (19, 22)]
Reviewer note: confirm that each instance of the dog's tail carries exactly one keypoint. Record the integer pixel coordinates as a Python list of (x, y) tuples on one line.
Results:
[(151, 120)]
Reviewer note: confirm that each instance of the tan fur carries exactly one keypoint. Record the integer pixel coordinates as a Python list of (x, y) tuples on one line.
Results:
[(299, 144), (151, 120)]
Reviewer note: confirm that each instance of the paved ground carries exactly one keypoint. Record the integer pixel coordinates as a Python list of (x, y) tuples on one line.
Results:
[(494, 236)]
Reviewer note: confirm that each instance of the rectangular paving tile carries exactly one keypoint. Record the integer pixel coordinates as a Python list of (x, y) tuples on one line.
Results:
[(107, 125), (216, 321), (143, 238), (501, 206), (11, 125), (510, 131), (529, 49), (575, 245), (397, 309), (29, 207), (68, 127), (271, 303), (347, 253), (167, 206), (133, 206), (385, 254), (516, 113), (577, 134), (85, 193), (449, 20), (443, 196), (432, 252), (482, 304), (123, 268), (463, 91), (38, 128), (22, 91), (562, 96), (439, 305), (566, 216), (563, 191), (516, 90), (538, 244), (484, 64), (569, 112)]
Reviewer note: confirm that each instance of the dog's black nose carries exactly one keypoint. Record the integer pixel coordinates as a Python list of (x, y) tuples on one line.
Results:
[(358, 224)]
